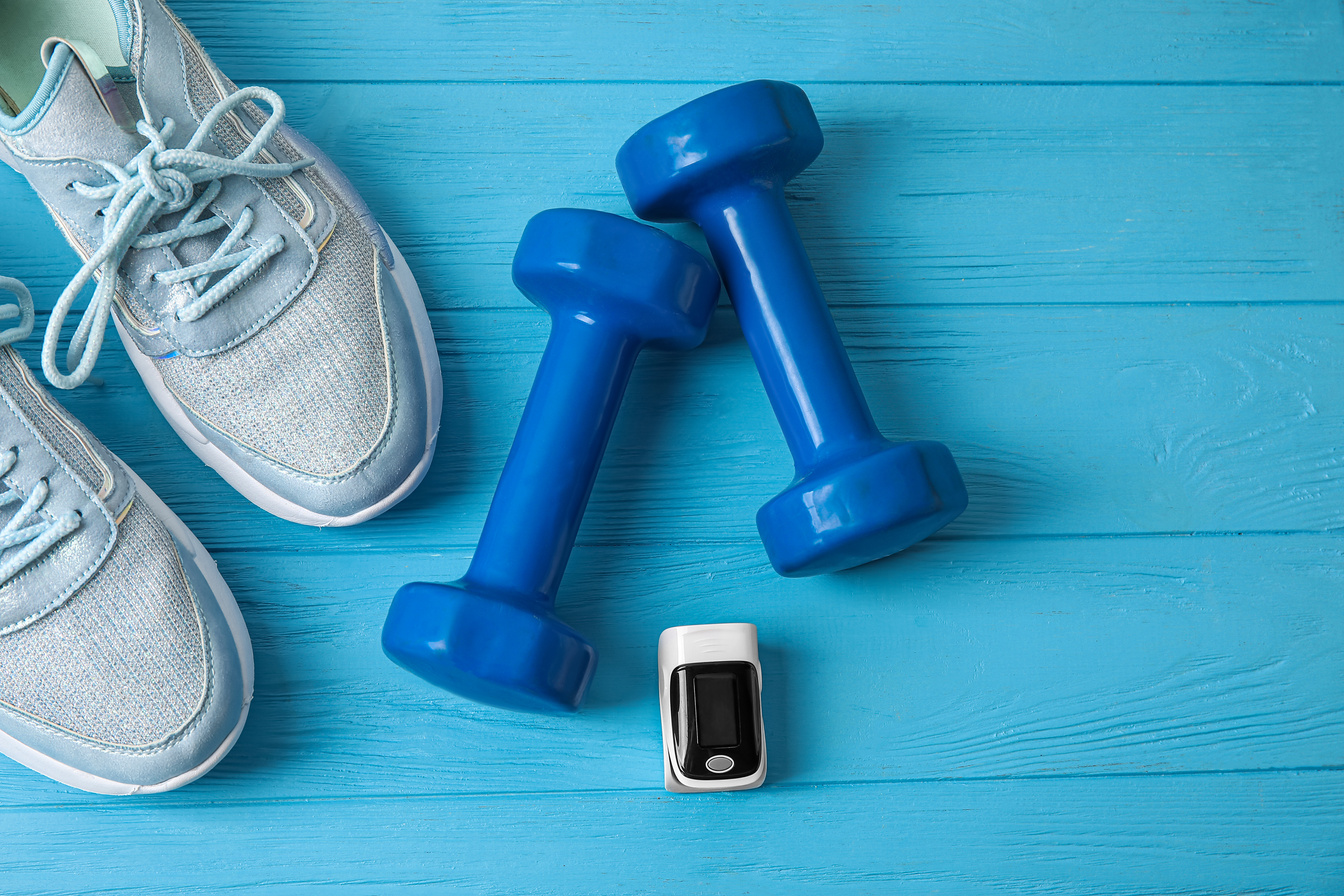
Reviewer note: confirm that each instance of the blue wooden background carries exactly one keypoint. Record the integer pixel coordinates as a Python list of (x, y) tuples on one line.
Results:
[(1095, 247)]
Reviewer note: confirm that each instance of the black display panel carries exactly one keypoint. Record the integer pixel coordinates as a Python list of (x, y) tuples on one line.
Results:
[(716, 709), (716, 712)]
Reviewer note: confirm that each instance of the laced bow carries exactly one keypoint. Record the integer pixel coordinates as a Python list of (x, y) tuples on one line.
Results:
[(36, 537), (162, 181)]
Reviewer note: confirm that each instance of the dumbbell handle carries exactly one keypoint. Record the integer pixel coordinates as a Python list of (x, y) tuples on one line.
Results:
[(539, 502), (788, 328)]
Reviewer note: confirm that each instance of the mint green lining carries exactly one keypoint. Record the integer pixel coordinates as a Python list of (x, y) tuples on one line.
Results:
[(25, 25)]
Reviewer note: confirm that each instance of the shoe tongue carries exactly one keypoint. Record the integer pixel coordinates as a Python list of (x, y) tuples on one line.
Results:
[(76, 122)]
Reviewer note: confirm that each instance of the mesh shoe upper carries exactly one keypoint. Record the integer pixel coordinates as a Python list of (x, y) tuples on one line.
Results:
[(124, 661), (324, 414)]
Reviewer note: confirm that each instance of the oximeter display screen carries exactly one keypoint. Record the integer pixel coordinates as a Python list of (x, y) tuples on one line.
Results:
[(716, 719), (716, 710)]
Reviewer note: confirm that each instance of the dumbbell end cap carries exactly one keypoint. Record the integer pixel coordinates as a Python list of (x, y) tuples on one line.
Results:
[(762, 131), (598, 266), (862, 509), (487, 648)]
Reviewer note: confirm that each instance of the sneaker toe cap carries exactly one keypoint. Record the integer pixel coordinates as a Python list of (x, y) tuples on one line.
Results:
[(340, 429), (141, 681)]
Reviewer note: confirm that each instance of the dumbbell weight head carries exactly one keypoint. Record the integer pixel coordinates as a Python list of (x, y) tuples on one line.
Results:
[(578, 262), (673, 161), (862, 508), (611, 286), (490, 647)]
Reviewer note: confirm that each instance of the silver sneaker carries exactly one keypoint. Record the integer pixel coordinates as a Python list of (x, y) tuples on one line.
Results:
[(275, 324), (125, 666)]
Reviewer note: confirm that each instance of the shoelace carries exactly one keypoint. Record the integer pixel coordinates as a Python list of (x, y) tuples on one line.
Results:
[(162, 181), (36, 537), (22, 309)]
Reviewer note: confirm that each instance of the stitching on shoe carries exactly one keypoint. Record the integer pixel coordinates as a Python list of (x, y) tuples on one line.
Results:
[(269, 314), (389, 426), (173, 737)]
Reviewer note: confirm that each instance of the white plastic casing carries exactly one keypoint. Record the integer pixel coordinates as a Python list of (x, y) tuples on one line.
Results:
[(722, 643)]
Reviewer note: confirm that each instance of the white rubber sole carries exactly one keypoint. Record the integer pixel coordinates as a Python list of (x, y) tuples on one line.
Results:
[(253, 489), (66, 774)]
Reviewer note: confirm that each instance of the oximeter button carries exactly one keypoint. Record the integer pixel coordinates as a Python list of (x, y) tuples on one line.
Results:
[(719, 764)]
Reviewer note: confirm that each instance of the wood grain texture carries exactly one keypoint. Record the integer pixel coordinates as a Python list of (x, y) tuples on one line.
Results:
[(955, 660), (1215, 419), (1154, 836), (797, 40), (1098, 249), (923, 194)]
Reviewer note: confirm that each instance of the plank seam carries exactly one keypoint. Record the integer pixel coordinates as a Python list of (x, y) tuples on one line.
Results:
[(800, 82), (444, 550), (801, 785)]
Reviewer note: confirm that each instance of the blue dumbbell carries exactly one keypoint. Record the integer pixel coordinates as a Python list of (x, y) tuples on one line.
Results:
[(722, 161), (611, 286)]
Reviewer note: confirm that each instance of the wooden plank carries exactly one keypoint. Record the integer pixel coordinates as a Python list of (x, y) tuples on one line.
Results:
[(1218, 834), (957, 660), (666, 40), (923, 195), (1008, 708), (1215, 419)]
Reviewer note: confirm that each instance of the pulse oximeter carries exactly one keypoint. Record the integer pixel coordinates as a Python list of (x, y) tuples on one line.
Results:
[(709, 692)]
